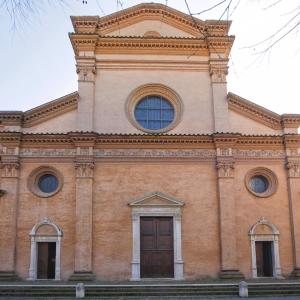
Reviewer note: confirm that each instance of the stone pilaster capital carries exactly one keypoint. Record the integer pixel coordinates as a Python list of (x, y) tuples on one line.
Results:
[(218, 70), (84, 169), (10, 169), (86, 72), (293, 167), (225, 168)]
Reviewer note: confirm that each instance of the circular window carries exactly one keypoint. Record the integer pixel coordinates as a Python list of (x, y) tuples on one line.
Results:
[(261, 182), (45, 181), (154, 108), (48, 183), (154, 112)]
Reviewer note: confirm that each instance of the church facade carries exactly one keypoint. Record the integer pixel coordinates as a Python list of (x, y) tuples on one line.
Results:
[(151, 169)]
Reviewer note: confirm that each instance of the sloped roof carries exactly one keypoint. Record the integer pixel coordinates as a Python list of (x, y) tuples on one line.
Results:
[(40, 113), (261, 114)]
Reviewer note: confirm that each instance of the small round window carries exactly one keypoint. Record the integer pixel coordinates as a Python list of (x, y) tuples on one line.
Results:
[(259, 184), (48, 183), (45, 181), (154, 112)]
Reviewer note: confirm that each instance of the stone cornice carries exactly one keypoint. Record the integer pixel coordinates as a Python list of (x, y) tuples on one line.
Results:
[(149, 11), (92, 33), (219, 140), (290, 120), (41, 113), (150, 45), (254, 111), (11, 118)]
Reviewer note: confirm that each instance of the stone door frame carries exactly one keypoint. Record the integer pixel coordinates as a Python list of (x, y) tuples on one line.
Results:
[(272, 237), (146, 208), (34, 249)]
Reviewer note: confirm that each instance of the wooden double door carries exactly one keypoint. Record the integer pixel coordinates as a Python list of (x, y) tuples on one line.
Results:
[(264, 258), (46, 256), (157, 250)]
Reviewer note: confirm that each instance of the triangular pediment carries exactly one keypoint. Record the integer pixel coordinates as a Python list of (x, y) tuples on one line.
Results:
[(156, 199), (136, 15)]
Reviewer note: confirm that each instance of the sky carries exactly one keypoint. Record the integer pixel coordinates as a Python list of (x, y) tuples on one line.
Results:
[(37, 60)]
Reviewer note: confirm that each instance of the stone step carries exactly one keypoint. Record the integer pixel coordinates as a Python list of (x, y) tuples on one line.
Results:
[(172, 290)]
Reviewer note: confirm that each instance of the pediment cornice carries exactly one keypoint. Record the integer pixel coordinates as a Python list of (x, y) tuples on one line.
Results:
[(41, 113), (156, 199), (92, 33), (261, 114), (149, 11), (254, 111)]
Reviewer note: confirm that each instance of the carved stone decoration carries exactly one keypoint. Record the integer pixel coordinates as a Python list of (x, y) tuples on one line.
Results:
[(84, 169), (218, 73), (293, 168), (225, 168), (86, 73), (10, 169)]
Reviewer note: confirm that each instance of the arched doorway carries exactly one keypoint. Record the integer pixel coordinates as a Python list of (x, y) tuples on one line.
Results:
[(45, 251), (264, 238)]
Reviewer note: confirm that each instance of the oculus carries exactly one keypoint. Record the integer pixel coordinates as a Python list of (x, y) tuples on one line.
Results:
[(45, 181), (261, 182), (154, 112), (154, 108)]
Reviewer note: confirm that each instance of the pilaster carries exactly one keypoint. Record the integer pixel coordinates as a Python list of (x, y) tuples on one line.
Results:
[(86, 71), (293, 180), (9, 170), (225, 165), (218, 70), (84, 168)]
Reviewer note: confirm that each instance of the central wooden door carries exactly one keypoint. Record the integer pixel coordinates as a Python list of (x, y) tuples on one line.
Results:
[(46, 260), (264, 259), (157, 253)]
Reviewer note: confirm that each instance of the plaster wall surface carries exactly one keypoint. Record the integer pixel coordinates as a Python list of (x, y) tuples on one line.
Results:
[(245, 125), (113, 89), (142, 27), (60, 124)]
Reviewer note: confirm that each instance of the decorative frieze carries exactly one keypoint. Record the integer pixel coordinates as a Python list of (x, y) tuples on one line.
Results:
[(258, 153), (293, 168), (225, 168), (153, 153), (42, 152)]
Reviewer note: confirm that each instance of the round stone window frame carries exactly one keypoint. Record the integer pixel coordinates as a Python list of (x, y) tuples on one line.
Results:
[(270, 177), (35, 175), (154, 90)]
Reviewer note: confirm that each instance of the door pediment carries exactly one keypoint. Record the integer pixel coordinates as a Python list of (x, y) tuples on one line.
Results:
[(156, 199)]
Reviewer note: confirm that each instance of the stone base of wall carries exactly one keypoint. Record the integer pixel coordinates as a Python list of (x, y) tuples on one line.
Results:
[(296, 273), (231, 274), (8, 276), (82, 276)]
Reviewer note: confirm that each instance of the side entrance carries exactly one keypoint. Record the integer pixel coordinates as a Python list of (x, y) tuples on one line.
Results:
[(156, 247)]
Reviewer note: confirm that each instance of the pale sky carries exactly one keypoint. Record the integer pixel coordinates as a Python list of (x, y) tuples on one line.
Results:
[(37, 60)]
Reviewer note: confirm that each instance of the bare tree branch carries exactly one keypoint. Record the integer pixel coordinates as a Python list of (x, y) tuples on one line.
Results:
[(275, 33), (214, 6)]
